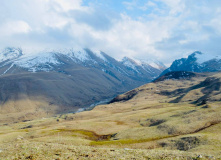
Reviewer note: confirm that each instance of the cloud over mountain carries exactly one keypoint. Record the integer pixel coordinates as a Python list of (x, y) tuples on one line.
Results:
[(152, 28)]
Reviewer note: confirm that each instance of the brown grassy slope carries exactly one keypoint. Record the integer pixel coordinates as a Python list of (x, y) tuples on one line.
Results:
[(149, 124)]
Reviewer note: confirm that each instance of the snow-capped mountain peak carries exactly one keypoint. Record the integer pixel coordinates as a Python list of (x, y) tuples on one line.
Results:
[(35, 62), (100, 55), (10, 53), (62, 61), (196, 62), (80, 55), (143, 66), (153, 63), (133, 62)]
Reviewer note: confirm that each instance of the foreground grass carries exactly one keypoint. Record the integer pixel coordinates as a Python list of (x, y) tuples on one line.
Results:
[(44, 151)]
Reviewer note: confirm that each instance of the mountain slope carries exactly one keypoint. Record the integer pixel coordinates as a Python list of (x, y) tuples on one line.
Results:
[(147, 69), (177, 75)]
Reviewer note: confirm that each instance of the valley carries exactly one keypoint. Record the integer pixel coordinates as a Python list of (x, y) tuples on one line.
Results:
[(175, 117)]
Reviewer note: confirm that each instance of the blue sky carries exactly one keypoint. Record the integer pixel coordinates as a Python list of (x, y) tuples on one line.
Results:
[(159, 29)]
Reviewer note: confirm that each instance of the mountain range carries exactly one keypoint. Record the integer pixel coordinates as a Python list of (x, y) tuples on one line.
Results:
[(60, 81), (51, 82)]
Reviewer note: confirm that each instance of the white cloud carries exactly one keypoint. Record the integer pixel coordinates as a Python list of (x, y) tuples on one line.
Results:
[(176, 6), (165, 29), (54, 20), (130, 5), (148, 5), (14, 27), (67, 5)]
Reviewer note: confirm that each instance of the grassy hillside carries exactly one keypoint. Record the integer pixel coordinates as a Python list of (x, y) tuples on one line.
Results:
[(168, 119)]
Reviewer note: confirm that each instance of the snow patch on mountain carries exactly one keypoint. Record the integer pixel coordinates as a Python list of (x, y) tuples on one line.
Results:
[(35, 63), (133, 62), (156, 64), (129, 63), (99, 55), (80, 55), (137, 61), (10, 53), (7, 69)]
